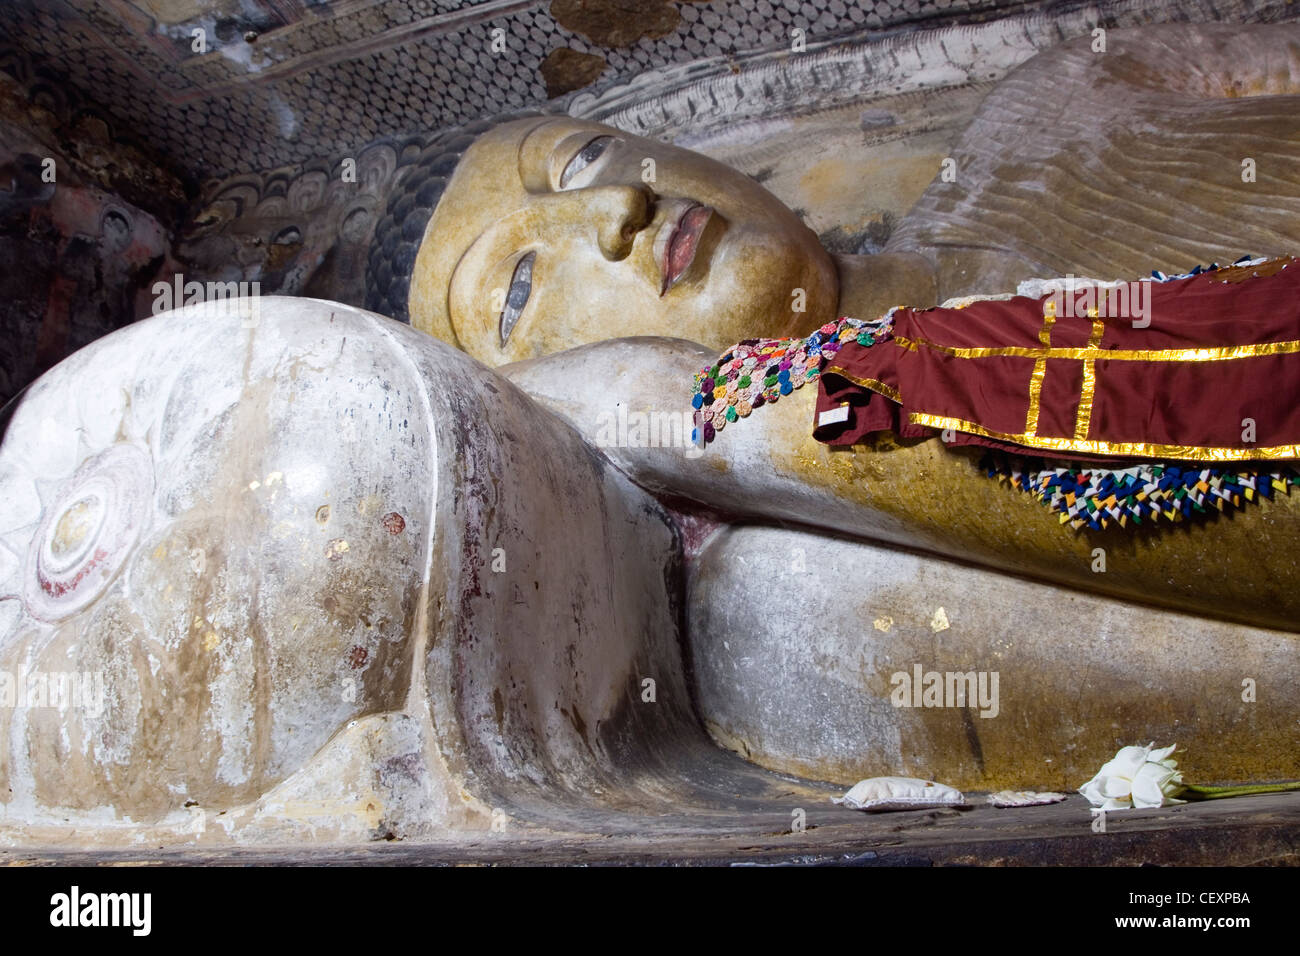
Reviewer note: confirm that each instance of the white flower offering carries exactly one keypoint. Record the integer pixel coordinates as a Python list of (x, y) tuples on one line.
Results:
[(1136, 778)]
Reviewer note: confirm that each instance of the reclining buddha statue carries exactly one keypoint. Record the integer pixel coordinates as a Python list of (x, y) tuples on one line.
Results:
[(627, 498)]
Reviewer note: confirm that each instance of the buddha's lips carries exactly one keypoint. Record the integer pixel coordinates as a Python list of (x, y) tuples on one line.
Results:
[(679, 251)]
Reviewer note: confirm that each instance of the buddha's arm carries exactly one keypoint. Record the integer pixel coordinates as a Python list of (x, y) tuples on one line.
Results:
[(921, 495)]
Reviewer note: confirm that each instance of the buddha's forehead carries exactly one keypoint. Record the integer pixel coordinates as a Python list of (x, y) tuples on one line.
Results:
[(499, 172)]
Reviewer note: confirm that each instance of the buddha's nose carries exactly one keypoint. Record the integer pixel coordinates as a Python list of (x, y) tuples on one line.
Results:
[(620, 212)]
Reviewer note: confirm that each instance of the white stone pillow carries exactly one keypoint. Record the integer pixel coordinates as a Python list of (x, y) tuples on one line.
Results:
[(1023, 798), (899, 793)]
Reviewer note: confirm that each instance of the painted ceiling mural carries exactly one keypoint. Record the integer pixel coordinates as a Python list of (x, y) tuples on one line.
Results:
[(220, 86)]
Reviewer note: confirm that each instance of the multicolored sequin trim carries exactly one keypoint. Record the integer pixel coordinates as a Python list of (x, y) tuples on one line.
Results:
[(758, 371), (1095, 498), (1238, 263)]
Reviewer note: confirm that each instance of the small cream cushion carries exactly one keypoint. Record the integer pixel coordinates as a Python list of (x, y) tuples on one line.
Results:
[(899, 793)]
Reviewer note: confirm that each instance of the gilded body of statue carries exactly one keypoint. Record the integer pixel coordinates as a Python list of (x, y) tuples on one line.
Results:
[(342, 580)]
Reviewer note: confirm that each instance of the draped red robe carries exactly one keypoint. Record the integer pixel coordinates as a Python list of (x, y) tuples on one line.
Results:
[(1210, 372)]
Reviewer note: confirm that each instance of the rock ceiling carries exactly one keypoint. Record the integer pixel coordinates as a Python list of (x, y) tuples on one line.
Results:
[(214, 87)]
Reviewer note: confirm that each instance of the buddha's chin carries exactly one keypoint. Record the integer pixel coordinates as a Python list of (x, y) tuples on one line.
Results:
[(752, 293), (736, 313)]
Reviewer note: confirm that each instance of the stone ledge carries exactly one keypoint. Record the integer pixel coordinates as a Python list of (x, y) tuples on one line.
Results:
[(1243, 831)]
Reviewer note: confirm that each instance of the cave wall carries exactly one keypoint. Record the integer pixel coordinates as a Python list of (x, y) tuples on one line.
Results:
[(85, 218)]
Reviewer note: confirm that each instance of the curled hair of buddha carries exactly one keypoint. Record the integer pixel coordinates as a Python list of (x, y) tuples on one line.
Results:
[(398, 235)]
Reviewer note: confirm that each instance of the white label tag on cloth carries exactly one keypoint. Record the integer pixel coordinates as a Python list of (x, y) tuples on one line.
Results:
[(833, 416)]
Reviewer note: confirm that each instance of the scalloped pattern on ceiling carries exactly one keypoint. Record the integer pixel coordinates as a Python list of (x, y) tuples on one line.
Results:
[(283, 81)]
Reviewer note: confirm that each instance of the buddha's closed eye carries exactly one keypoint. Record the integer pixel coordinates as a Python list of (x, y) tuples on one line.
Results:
[(585, 157), (521, 286)]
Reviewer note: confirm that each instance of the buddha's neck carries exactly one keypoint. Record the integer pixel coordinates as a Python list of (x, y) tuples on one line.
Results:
[(872, 285)]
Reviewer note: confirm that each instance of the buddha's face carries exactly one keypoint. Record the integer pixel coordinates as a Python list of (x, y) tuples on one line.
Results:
[(554, 232)]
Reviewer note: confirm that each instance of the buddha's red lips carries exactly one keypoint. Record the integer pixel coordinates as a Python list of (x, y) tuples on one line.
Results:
[(679, 251)]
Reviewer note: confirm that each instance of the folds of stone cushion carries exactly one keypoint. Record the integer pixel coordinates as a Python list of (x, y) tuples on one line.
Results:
[(1151, 154), (230, 538)]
